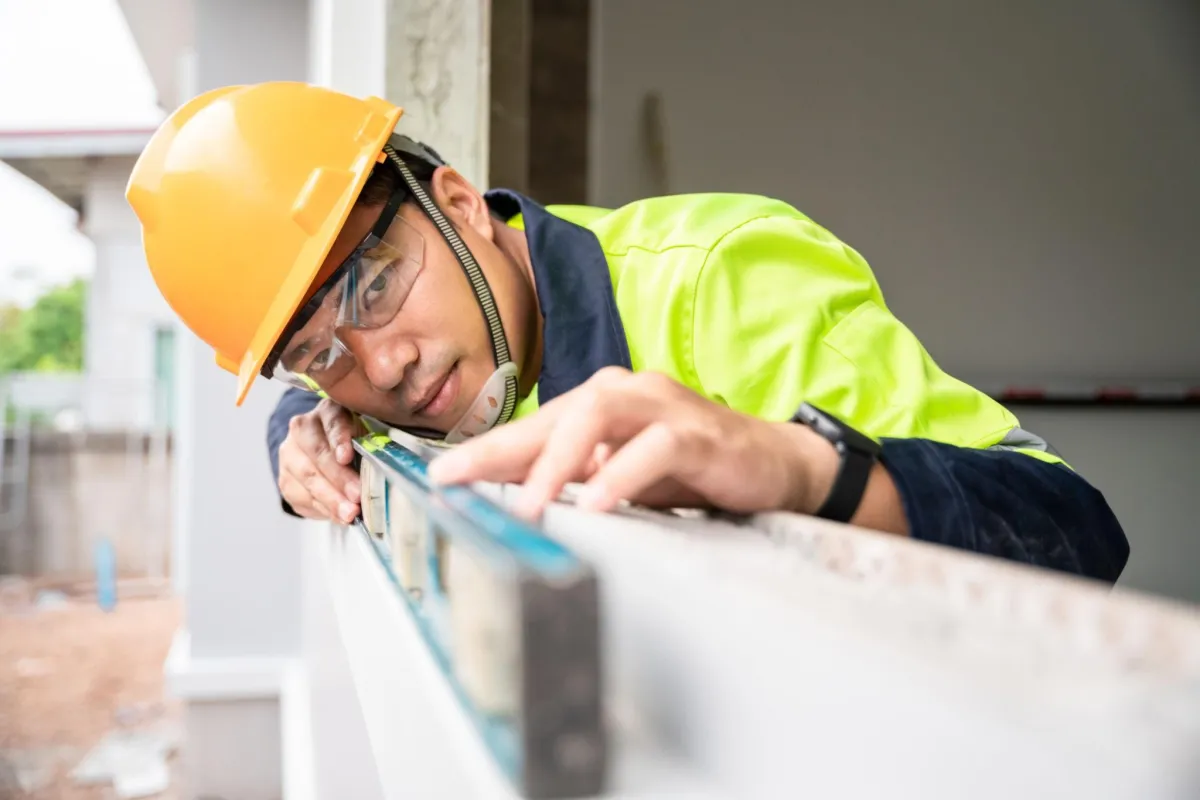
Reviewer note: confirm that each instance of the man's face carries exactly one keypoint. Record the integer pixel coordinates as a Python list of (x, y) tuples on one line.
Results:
[(425, 366)]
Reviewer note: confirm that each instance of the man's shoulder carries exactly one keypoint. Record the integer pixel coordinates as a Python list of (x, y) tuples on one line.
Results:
[(697, 221)]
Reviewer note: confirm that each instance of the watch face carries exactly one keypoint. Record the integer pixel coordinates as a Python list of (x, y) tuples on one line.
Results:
[(828, 427), (825, 424), (831, 428)]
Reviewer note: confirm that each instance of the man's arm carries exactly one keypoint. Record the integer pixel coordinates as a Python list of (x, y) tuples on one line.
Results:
[(1007, 504), (785, 312), (645, 438)]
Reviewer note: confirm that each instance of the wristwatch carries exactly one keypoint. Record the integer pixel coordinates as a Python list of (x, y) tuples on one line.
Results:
[(858, 454)]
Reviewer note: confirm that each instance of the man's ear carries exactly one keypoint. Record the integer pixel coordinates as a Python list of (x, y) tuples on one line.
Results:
[(461, 202)]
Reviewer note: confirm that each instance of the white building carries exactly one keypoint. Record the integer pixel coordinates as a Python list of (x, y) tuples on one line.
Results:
[(129, 350)]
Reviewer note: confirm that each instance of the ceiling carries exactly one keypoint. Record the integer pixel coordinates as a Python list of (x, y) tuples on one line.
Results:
[(61, 161)]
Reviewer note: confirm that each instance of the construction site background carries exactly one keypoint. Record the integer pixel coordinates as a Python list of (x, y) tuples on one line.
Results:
[(1021, 182), (85, 487)]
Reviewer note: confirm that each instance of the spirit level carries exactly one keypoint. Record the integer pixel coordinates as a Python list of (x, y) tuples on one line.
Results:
[(509, 614)]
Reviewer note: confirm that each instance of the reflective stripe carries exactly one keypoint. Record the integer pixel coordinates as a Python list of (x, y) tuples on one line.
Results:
[(1021, 439)]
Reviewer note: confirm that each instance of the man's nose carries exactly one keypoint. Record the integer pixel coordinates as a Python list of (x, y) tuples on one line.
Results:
[(384, 360)]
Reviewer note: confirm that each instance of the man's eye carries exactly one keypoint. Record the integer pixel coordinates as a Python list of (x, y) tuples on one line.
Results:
[(320, 362), (292, 358), (380, 282)]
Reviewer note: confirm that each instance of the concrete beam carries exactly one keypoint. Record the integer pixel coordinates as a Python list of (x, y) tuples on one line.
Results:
[(437, 65)]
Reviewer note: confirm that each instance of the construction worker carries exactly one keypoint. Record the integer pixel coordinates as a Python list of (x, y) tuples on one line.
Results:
[(704, 349)]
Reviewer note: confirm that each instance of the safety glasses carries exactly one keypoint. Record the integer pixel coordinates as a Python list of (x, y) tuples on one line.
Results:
[(366, 292)]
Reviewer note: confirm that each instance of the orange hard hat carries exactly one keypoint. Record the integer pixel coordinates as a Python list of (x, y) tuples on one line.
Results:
[(240, 194)]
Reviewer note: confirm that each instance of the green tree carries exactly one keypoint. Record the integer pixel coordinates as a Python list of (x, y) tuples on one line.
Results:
[(47, 336), (11, 346)]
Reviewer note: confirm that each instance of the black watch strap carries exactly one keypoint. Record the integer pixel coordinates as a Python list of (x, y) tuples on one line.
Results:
[(849, 486), (857, 455)]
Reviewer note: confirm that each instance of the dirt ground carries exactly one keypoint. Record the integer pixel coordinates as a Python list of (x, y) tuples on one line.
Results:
[(71, 673)]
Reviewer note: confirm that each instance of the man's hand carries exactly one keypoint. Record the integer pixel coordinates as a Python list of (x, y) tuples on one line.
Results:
[(645, 438), (314, 473)]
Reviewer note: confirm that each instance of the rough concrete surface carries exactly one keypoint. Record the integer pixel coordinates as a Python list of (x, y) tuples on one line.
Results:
[(82, 691)]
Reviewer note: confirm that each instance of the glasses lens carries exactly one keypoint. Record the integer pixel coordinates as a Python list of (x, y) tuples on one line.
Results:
[(379, 281), (368, 292)]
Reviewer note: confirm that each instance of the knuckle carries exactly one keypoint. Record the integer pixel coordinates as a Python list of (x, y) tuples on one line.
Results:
[(306, 471), (610, 375), (689, 440), (288, 460), (291, 492), (657, 384), (329, 411), (698, 441), (303, 423), (597, 402), (657, 380), (322, 445), (671, 436)]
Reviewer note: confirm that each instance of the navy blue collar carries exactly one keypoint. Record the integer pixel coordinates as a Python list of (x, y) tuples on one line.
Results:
[(582, 331)]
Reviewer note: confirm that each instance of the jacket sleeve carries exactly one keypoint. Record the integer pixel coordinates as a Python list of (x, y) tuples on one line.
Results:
[(292, 403), (785, 312), (1007, 504)]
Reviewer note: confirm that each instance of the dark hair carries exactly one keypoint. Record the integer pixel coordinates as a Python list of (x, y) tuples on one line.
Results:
[(384, 179)]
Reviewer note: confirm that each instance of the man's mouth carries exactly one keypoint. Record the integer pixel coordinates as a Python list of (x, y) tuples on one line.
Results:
[(440, 396)]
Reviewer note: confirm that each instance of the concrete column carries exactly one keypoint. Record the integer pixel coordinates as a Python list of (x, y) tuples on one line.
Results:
[(123, 308), (238, 555), (348, 45), (429, 56), (243, 593), (436, 66)]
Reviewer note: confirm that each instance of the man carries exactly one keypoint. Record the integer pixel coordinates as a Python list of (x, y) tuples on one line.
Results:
[(670, 341)]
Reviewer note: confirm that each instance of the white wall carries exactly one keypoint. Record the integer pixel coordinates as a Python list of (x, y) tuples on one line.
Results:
[(44, 392), (244, 581), (347, 47), (1145, 464), (239, 560), (1022, 176), (1016, 173), (123, 308), (219, 762)]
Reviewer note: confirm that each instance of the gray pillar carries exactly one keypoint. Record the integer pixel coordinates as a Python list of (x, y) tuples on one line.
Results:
[(239, 554), (436, 66)]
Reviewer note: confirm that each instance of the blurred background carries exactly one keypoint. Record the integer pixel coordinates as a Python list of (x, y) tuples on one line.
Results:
[(1022, 176)]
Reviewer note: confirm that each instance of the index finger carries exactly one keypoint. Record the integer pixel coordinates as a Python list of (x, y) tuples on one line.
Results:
[(339, 430), (503, 454), (319, 448)]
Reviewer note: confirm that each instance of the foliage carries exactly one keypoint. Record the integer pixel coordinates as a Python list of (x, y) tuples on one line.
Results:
[(47, 336)]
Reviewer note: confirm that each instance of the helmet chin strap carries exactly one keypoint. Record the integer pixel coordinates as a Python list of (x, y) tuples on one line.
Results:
[(497, 402), (485, 412)]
